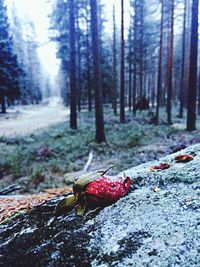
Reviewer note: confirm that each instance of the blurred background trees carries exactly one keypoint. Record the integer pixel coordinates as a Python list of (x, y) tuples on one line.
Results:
[(145, 59)]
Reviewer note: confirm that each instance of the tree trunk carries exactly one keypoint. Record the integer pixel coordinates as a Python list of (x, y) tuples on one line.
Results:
[(192, 89), (122, 89), (100, 134), (114, 65), (135, 60), (199, 93), (130, 70), (159, 82), (141, 48), (88, 65), (72, 71), (170, 64), (79, 76), (187, 49), (3, 104), (182, 84)]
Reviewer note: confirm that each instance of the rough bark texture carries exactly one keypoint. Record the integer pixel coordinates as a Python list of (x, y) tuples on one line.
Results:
[(145, 228), (192, 88), (100, 134)]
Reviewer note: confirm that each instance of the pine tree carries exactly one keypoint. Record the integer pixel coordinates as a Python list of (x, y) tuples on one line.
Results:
[(159, 82), (192, 88), (9, 68), (72, 63), (122, 81), (100, 134)]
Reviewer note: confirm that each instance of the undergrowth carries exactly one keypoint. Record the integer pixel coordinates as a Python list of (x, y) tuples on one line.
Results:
[(59, 150)]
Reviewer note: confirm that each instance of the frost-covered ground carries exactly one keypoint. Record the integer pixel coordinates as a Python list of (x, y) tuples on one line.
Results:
[(23, 120)]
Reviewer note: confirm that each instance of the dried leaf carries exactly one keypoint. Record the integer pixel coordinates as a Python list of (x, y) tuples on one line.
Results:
[(65, 205), (161, 167), (183, 158), (81, 209)]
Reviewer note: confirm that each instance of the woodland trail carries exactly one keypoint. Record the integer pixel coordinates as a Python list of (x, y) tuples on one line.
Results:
[(25, 120)]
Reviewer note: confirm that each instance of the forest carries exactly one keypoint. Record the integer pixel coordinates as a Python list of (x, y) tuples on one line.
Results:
[(89, 87)]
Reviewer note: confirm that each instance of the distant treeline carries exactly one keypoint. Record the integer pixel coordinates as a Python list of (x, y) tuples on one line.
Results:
[(154, 66), (20, 69)]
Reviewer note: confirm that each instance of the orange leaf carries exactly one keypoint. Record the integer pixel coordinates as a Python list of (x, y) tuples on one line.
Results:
[(183, 158)]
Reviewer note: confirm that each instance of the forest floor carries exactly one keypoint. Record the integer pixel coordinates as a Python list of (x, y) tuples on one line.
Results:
[(23, 120), (40, 151)]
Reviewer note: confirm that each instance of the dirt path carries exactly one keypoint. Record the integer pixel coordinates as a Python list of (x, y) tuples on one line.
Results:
[(31, 119)]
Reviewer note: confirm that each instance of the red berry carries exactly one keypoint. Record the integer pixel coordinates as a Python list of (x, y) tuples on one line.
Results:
[(106, 190)]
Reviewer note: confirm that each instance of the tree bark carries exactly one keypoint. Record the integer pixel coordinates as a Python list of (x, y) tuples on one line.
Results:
[(79, 74), (130, 70), (141, 47), (192, 88), (114, 65), (170, 64), (159, 82), (3, 104), (100, 134), (72, 71), (182, 84), (88, 64), (122, 89)]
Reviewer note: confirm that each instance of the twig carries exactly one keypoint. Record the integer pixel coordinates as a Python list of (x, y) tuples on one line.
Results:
[(10, 189), (89, 161)]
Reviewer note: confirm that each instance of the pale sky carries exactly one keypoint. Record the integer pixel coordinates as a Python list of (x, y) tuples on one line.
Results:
[(38, 11)]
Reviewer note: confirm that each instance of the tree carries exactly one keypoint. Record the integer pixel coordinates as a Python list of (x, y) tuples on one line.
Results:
[(9, 67), (100, 134), (122, 89), (114, 64), (159, 82), (182, 84), (170, 61), (72, 66), (192, 88), (88, 75), (130, 69)]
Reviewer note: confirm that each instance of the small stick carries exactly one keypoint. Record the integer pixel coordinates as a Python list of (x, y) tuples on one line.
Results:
[(89, 161)]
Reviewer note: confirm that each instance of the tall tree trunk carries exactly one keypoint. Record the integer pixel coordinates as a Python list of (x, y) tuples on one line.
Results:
[(199, 91), (100, 134), (159, 82), (187, 49), (192, 92), (141, 47), (135, 59), (72, 71), (122, 89), (114, 65), (182, 84), (3, 104), (170, 64), (79, 74), (89, 81), (130, 70)]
